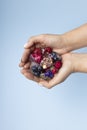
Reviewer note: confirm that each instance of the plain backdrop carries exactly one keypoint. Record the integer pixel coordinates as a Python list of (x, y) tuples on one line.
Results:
[(24, 105)]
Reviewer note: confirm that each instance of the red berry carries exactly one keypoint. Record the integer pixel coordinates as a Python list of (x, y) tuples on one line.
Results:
[(34, 55), (31, 57), (58, 64), (48, 49), (46, 61), (37, 51), (54, 70), (38, 58)]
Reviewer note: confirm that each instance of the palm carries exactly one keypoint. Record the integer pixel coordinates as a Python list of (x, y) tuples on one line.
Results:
[(64, 72)]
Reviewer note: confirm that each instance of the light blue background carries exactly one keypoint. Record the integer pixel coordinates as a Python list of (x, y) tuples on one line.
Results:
[(23, 104)]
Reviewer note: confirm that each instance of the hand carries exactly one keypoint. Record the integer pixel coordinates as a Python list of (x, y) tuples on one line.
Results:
[(64, 43), (56, 42), (66, 69), (61, 44)]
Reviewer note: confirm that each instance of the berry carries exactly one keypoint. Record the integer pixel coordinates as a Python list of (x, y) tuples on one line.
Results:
[(45, 63), (48, 49), (55, 57), (38, 58), (34, 68), (42, 75), (58, 64), (49, 74), (37, 51), (34, 55), (40, 69), (31, 57), (53, 54), (54, 70), (37, 74)]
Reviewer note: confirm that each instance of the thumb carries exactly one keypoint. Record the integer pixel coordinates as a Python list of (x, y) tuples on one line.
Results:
[(33, 40)]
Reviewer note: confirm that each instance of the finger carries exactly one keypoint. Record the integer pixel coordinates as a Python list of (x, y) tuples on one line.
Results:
[(23, 71), (34, 40), (48, 84), (45, 84), (36, 79), (27, 65), (29, 75), (58, 78), (25, 56), (21, 64)]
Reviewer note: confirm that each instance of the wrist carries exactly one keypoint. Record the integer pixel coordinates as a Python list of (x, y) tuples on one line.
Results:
[(79, 62), (71, 41), (76, 38), (65, 44), (68, 43)]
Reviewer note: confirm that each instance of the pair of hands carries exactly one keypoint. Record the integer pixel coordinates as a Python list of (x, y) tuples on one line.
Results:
[(59, 44)]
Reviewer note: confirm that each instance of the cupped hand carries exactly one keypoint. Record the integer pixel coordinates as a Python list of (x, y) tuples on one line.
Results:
[(57, 42), (66, 69)]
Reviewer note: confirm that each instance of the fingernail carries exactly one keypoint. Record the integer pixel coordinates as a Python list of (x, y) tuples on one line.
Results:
[(25, 45)]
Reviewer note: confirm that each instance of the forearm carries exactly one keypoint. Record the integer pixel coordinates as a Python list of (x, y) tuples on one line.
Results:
[(79, 62), (76, 38)]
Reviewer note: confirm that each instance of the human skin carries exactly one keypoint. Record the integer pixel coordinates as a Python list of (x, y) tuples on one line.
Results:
[(61, 44), (72, 62)]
